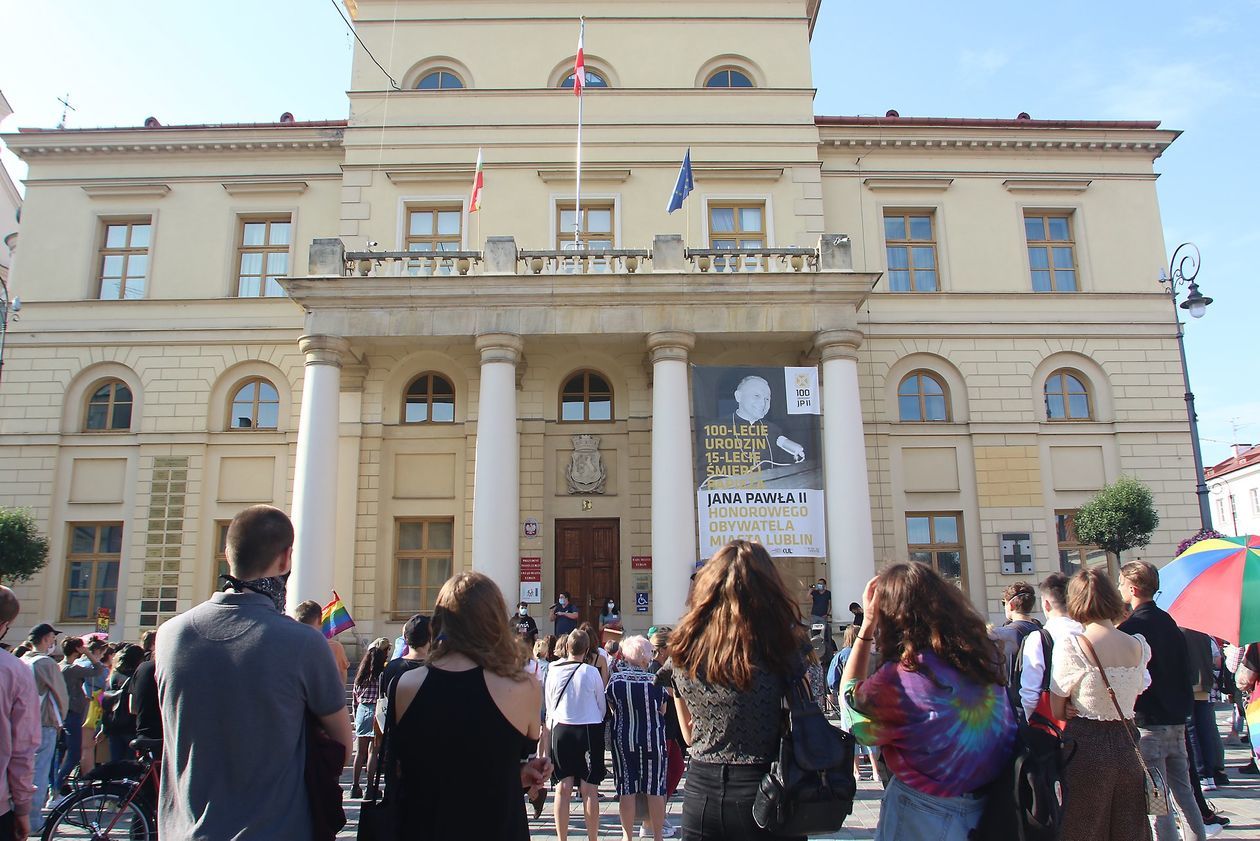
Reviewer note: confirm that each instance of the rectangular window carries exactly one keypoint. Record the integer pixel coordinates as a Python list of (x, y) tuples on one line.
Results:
[(263, 256), (738, 225), (1255, 501), (431, 229), (596, 232), (1220, 510), (124, 259), (423, 559), (1073, 554), (910, 239), (220, 554), (1051, 252), (92, 570), (936, 539)]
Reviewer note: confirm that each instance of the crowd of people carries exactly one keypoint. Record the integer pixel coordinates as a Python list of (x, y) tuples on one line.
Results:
[(473, 717)]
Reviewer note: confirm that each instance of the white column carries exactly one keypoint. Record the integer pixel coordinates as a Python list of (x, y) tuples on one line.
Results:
[(673, 488), (850, 543), (497, 477), (315, 474)]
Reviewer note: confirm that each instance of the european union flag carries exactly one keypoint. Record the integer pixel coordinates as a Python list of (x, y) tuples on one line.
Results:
[(684, 186)]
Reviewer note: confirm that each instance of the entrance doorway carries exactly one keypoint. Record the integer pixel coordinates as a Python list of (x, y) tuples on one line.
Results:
[(588, 564)]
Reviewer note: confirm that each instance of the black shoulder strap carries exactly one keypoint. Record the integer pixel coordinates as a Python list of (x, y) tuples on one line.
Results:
[(1047, 652)]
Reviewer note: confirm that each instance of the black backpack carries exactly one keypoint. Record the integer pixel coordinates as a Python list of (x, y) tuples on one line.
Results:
[(809, 789), (1025, 801)]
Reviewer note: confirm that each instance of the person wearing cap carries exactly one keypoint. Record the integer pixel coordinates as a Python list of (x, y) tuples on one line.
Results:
[(54, 702), (19, 732)]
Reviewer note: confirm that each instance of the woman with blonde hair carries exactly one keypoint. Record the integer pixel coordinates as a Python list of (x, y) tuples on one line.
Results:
[(640, 758), (735, 654), (1100, 673), (464, 722), (936, 705)]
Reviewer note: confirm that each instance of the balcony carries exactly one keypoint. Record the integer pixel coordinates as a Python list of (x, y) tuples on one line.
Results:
[(731, 292), (503, 257)]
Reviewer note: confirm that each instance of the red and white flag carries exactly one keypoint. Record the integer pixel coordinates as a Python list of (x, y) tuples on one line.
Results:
[(479, 181), (579, 65)]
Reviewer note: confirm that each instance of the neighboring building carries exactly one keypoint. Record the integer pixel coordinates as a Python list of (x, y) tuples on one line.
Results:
[(10, 209), (1234, 485), (979, 296)]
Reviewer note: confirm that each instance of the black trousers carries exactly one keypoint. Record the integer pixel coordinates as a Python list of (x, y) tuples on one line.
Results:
[(718, 802), (7, 827)]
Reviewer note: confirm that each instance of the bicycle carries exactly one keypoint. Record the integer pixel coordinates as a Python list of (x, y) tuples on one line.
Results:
[(114, 801)]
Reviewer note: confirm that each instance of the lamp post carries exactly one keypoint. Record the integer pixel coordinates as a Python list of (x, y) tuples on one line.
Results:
[(1182, 271), (9, 307)]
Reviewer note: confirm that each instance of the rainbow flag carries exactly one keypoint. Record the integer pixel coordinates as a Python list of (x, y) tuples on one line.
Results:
[(335, 617)]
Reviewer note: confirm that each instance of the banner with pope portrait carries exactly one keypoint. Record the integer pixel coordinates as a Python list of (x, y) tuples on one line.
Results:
[(758, 458)]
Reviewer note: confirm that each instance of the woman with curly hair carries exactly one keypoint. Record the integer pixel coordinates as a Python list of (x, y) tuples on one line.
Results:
[(935, 705), (734, 655)]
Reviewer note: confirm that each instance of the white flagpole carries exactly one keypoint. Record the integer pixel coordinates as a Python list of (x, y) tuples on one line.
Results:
[(577, 223)]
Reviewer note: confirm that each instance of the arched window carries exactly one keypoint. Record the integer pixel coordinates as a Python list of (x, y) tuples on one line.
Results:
[(255, 405), (593, 80), (439, 80), (922, 398), (1067, 397), (430, 398), (729, 77), (586, 396), (109, 408)]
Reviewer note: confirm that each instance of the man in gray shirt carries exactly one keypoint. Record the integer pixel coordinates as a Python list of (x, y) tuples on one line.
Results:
[(236, 681)]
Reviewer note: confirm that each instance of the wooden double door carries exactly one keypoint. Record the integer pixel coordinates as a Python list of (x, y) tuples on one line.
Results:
[(588, 564)]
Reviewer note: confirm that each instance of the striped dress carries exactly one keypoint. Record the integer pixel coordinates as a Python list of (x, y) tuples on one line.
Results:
[(638, 726)]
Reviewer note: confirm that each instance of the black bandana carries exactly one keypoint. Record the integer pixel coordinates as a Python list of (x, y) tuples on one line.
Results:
[(273, 588)]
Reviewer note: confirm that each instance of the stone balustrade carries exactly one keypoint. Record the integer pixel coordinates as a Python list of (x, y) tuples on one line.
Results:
[(328, 258)]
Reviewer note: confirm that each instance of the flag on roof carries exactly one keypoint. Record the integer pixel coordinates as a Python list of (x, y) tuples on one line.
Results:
[(479, 181), (335, 617), (683, 187), (579, 64)]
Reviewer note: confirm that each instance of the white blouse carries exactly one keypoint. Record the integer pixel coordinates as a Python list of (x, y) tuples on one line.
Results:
[(577, 701), (1073, 675)]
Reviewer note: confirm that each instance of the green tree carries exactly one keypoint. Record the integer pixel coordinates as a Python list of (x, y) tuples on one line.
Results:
[(1121, 516), (23, 550)]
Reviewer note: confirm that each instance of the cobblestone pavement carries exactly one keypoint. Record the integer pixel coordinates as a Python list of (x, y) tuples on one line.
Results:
[(1240, 802)]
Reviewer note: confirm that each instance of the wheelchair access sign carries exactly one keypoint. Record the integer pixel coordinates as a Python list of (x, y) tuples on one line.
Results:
[(640, 602)]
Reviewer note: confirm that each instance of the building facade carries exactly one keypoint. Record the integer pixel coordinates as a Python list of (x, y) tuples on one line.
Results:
[(1234, 485), (306, 314)]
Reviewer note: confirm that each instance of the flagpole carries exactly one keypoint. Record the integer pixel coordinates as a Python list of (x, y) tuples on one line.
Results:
[(577, 202)]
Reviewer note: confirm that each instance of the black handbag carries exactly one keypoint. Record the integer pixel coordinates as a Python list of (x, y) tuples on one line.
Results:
[(378, 818), (809, 789)]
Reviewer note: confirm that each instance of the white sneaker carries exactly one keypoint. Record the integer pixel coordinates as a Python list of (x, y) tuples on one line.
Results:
[(1207, 784), (667, 831), (1212, 830)]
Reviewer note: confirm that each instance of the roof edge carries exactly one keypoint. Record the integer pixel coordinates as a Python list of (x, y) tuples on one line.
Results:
[(296, 124), (981, 122)]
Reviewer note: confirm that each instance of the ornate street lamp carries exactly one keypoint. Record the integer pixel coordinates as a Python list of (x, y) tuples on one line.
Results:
[(1182, 271), (9, 307)]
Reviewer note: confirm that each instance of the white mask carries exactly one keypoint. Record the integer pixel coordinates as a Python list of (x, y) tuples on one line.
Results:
[(610, 605), (563, 602), (523, 611)]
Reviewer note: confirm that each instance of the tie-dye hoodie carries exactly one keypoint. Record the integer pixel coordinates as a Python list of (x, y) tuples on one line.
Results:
[(940, 732)]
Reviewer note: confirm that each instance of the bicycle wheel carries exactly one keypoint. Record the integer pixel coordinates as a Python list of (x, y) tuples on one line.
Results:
[(100, 813)]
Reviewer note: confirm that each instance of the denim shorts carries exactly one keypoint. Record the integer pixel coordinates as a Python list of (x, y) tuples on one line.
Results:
[(909, 815), (364, 714)]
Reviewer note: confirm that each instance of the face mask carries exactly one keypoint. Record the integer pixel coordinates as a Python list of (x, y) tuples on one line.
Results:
[(610, 605), (818, 587), (523, 612), (564, 602), (273, 588), (52, 646)]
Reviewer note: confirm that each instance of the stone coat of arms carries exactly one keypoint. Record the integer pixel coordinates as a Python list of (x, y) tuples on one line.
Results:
[(586, 473)]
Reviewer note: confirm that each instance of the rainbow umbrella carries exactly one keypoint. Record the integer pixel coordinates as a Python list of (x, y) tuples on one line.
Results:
[(1214, 587)]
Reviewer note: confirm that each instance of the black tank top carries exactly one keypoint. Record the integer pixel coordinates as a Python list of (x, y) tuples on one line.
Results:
[(459, 763)]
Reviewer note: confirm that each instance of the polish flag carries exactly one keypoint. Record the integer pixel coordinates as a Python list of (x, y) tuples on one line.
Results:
[(479, 181), (579, 66)]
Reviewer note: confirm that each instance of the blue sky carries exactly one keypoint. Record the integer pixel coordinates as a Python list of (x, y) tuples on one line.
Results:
[(1192, 65)]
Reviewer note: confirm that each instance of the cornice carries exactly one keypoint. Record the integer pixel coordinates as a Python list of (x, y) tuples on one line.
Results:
[(1046, 185), (593, 176), (270, 188), (706, 172), (148, 190), (109, 142), (972, 139), (917, 184)]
